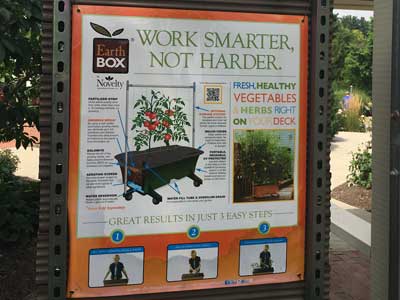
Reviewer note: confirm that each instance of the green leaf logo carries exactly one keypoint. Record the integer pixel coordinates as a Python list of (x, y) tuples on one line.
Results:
[(117, 32), (104, 31), (100, 29)]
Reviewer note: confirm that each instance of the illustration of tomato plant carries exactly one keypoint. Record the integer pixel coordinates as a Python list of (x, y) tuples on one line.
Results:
[(159, 118)]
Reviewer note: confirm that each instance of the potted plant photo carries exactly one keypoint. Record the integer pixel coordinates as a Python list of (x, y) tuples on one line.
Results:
[(264, 161), (158, 119)]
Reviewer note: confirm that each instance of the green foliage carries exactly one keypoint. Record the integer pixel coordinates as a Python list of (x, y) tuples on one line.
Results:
[(352, 47), (19, 202), (353, 122), (8, 165), (337, 117), (19, 208), (365, 101), (159, 118), (361, 167), (20, 68), (264, 161), (353, 118), (356, 23), (351, 66)]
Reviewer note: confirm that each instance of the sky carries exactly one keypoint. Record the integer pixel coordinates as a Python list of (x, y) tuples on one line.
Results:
[(358, 13)]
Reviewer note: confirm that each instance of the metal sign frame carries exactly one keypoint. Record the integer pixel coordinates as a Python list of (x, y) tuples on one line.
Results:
[(385, 263), (52, 255)]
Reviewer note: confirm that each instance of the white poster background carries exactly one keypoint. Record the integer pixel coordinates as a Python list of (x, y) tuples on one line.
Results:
[(129, 216)]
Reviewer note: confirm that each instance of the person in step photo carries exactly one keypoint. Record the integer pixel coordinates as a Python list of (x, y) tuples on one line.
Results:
[(116, 269), (194, 263), (265, 260)]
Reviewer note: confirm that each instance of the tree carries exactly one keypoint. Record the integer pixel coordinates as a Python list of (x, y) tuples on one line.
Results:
[(351, 64), (358, 62), (20, 68), (352, 53), (355, 23), (342, 39)]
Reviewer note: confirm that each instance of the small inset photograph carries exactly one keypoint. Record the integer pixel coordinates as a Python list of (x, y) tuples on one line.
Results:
[(192, 261), (263, 165), (262, 256), (116, 266)]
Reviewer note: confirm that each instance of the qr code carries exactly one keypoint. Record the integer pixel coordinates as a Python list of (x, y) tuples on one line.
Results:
[(213, 94)]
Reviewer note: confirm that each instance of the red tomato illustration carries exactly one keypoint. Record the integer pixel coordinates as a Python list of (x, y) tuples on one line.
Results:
[(169, 112), (152, 127)]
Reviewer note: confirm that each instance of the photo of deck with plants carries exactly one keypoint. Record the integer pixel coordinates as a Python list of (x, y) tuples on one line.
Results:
[(263, 165)]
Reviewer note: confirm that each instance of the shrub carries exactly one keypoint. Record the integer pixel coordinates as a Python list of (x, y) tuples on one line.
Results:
[(337, 116), (264, 161), (352, 120), (365, 101), (19, 207), (8, 165), (361, 167), (19, 202)]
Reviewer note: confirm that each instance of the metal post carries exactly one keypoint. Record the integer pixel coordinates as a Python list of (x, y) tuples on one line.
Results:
[(394, 223), (384, 229), (318, 189)]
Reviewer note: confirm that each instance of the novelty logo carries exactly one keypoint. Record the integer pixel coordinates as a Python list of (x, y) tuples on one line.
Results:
[(109, 83), (110, 55)]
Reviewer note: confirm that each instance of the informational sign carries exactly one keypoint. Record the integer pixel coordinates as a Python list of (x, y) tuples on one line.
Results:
[(187, 165)]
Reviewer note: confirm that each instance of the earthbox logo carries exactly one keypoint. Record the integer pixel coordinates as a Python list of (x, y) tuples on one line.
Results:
[(110, 55)]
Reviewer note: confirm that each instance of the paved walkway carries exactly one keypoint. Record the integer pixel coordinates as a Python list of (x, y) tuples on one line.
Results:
[(350, 276), (343, 144)]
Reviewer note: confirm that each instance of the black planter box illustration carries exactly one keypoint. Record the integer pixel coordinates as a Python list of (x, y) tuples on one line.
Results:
[(195, 276), (115, 282), (154, 168), (266, 270)]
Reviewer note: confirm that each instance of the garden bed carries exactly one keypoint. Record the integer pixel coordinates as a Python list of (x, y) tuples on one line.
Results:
[(17, 271), (353, 195)]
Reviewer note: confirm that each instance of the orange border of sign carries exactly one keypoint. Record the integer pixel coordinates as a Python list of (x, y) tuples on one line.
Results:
[(155, 260)]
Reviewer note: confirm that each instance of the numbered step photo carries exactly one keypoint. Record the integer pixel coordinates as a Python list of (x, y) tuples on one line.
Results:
[(192, 261), (116, 266), (263, 256)]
